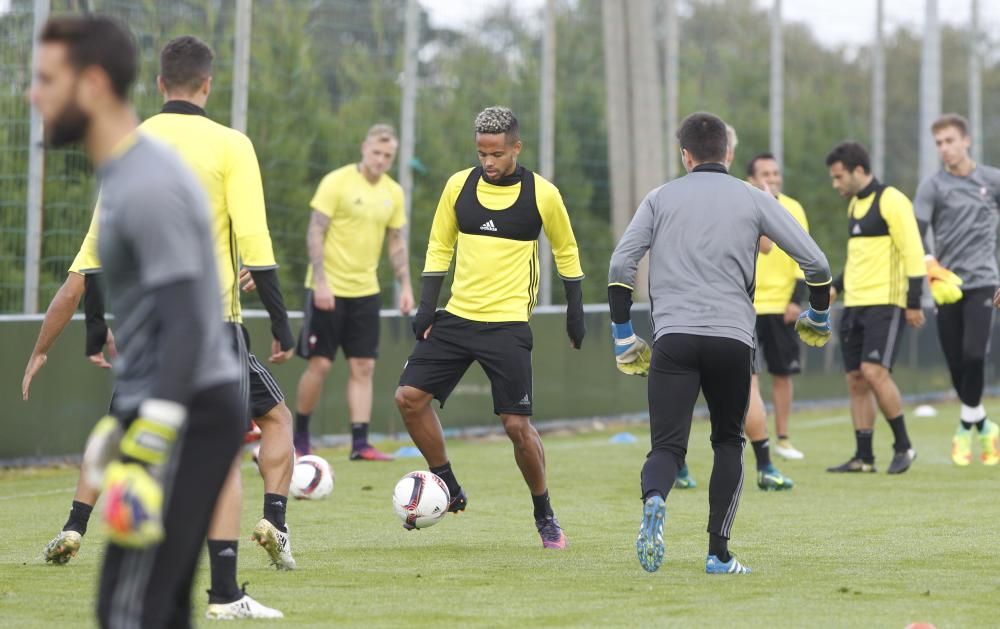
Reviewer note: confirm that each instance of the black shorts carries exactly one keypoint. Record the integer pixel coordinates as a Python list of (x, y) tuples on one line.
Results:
[(777, 345), (871, 334), (353, 325), (257, 384), (503, 350)]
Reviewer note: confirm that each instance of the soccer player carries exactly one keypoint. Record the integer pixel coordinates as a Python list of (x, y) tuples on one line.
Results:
[(960, 202), (701, 288), (354, 210), (780, 289), (177, 390), (882, 282), (769, 477), (493, 215), (226, 166)]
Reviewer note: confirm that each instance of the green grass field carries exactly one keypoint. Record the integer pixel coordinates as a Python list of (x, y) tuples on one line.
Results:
[(850, 551)]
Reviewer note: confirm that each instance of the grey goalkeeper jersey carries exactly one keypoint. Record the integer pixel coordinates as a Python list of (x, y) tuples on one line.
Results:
[(964, 213), (153, 230), (702, 233)]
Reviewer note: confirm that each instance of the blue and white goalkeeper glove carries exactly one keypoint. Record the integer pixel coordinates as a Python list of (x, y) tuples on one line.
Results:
[(814, 327), (632, 354)]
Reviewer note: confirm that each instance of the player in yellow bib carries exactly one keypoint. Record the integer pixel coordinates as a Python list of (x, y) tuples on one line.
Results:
[(492, 216), (355, 209), (780, 288), (226, 165)]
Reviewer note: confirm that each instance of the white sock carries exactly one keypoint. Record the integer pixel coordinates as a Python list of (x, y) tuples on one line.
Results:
[(973, 414)]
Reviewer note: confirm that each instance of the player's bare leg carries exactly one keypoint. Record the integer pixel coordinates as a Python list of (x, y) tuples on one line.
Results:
[(530, 457), (768, 476), (66, 544), (889, 400), (781, 395), (307, 398), (863, 411), (424, 427), (361, 374), (276, 460)]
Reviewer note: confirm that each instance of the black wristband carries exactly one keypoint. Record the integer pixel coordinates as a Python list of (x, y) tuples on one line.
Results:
[(93, 308), (620, 301), (838, 284), (915, 292), (819, 297), (269, 290), (576, 327)]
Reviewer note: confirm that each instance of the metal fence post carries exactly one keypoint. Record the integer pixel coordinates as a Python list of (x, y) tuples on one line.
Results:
[(36, 180)]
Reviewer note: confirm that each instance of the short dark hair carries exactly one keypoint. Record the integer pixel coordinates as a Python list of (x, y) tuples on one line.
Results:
[(96, 40), (851, 155), (703, 136), (497, 119), (185, 63), (752, 164), (951, 120)]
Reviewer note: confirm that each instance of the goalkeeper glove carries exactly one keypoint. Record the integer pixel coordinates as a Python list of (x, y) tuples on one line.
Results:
[(944, 284), (632, 354), (814, 327), (133, 503)]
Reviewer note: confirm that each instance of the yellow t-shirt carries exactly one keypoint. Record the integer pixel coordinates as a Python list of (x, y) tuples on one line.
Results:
[(777, 271), (226, 165), (496, 277), (359, 212), (884, 250)]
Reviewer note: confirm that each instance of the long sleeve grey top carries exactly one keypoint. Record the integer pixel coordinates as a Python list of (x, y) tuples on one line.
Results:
[(702, 232)]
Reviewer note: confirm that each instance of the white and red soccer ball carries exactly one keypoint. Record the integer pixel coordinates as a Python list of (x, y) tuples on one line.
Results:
[(420, 499), (312, 478)]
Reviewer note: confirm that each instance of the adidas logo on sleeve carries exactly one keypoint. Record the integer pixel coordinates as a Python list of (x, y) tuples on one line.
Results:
[(488, 226)]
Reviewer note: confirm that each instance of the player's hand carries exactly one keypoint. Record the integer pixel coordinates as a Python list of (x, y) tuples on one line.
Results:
[(35, 364), (632, 354), (792, 313), (915, 317), (765, 245), (278, 356), (833, 295), (247, 285), (98, 358), (323, 298), (133, 505), (406, 301), (814, 327), (422, 323), (944, 284)]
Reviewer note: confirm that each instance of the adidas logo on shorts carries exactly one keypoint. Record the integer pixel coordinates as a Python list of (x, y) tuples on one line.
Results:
[(525, 401), (488, 226)]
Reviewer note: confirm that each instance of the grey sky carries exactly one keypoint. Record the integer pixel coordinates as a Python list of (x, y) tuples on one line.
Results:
[(834, 23)]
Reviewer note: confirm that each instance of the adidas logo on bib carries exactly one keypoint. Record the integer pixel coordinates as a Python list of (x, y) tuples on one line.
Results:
[(857, 230), (488, 226)]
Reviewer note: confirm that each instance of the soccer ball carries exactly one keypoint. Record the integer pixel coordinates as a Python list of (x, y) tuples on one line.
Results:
[(312, 478), (420, 499)]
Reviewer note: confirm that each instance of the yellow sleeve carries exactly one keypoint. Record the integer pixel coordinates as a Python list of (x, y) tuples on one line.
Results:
[(800, 215), (86, 260), (245, 201), (324, 200), (444, 230), (398, 218), (555, 220), (897, 212)]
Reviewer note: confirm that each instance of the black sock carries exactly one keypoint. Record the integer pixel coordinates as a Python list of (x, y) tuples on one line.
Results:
[(719, 546), (782, 437), (864, 451), (902, 441), (302, 422), (762, 450), (274, 510), (543, 508), (444, 473), (79, 515), (359, 436), (222, 561), (979, 425)]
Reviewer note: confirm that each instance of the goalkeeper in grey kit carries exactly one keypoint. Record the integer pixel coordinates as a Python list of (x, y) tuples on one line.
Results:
[(702, 232)]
